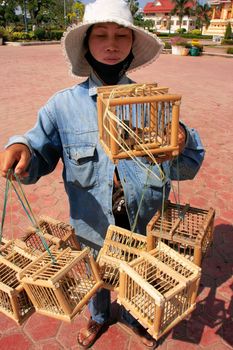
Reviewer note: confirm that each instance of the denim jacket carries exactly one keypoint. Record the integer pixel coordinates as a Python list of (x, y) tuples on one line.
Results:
[(67, 129)]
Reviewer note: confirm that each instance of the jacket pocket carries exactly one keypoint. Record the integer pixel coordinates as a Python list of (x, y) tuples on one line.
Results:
[(81, 164)]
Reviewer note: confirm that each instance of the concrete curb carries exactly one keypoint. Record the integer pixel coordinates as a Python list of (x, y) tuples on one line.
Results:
[(31, 43), (227, 55)]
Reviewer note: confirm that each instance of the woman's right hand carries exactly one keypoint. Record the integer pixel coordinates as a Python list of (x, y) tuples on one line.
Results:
[(16, 156)]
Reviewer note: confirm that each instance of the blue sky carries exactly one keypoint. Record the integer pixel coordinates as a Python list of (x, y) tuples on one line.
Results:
[(141, 2)]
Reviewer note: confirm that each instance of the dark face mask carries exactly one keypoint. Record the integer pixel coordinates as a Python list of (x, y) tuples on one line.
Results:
[(109, 74)]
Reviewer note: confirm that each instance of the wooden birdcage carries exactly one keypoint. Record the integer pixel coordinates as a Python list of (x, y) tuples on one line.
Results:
[(59, 229), (17, 253), (14, 301), (159, 289), (38, 242), (186, 229), (3, 242), (138, 119), (119, 245), (50, 232), (61, 286)]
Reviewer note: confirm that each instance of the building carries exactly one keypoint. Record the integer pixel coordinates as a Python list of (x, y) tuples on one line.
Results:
[(159, 11), (222, 13)]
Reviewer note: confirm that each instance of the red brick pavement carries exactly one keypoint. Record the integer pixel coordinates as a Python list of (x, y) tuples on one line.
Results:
[(29, 76)]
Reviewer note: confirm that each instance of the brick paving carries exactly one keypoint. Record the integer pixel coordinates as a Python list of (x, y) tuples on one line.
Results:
[(29, 76)]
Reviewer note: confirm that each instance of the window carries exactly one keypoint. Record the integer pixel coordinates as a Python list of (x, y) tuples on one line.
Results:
[(184, 23)]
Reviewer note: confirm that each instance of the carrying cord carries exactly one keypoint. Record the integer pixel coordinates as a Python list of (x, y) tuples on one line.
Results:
[(26, 206)]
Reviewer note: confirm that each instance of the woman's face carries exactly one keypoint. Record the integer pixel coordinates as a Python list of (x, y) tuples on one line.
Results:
[(110, 43)]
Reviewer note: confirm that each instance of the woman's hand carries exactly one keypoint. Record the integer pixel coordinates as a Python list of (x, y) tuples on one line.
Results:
[(160, 158), (16, 156), (181, 138)]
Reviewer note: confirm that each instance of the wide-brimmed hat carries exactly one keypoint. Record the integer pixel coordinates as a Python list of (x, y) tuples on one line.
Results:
[(146, 46)]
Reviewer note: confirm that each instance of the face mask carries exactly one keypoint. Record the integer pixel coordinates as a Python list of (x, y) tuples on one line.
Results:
[(109, 74)]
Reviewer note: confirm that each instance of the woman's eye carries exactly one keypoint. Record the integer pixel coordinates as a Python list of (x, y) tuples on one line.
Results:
[(100, 34)]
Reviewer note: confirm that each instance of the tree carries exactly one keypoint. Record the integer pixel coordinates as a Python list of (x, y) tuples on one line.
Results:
[(182, 8), (134, 6), (53, 12), (149, 24), (139, 20), (228, 32), (77, 12), (203, 14), (7, 12)]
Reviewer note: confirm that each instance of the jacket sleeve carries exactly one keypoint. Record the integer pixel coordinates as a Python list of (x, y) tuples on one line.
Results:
[(45, 146), (187, 164)]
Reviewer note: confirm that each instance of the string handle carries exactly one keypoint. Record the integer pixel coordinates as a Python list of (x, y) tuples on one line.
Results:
[(26, 206)]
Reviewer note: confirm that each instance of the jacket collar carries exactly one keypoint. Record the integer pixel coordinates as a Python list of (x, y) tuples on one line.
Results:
[(94, 83)]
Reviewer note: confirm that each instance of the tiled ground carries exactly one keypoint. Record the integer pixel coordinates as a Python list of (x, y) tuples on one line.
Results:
[(29, 75)]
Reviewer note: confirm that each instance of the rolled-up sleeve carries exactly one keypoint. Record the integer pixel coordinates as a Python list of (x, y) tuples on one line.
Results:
[(44, 144)]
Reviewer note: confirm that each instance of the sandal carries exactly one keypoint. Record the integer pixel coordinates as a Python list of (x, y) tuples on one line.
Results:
[(87, 336), (145, 337)]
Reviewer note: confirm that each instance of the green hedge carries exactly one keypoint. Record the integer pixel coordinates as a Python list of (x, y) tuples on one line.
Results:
[(185, 35), (227, 42), (38, 34), (230, 50), (43, 34)]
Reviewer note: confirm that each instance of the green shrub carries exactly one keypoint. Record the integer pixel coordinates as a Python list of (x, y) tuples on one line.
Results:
[(195, 32), (227, 42), (47, 34), (20, 36), (56, 34), (181, 30), (167, 45), (40, 33), (230, 50), (31, 35), (3, 34)]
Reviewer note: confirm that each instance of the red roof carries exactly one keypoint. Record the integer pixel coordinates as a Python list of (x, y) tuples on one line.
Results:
[(160, 6)]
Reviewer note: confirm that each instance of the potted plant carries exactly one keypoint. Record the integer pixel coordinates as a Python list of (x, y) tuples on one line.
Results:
[(196, 48), (180, 46)]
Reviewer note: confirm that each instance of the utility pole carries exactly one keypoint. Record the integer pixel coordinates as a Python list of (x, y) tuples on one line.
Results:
[(65, 12), (25, 15)]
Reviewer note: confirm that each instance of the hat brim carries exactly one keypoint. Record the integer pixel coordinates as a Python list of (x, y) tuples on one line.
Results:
[(146, 46)]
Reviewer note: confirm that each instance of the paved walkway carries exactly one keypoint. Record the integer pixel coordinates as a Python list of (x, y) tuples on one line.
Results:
[(29, 76)]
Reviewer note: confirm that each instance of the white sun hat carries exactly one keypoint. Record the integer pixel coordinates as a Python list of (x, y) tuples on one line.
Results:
[(146, 46)]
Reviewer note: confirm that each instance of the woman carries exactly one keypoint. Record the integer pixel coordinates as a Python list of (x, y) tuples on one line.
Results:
[(103, 48)]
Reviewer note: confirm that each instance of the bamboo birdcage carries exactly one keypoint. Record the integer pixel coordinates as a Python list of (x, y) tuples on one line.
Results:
[(14, 301), (186, 229), (60, 287), (159, 289), (17, 253), (54, 232), (138, 119), (38, 241), (59, 229), (119, 245)]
